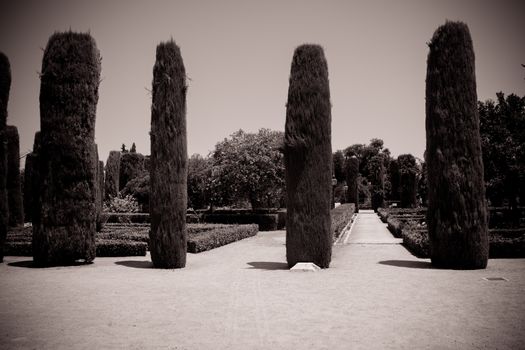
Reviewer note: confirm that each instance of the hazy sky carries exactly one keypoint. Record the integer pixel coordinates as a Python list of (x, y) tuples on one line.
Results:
[(238, 53)]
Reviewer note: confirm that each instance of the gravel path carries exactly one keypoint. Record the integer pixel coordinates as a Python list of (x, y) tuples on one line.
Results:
[(375, 295)]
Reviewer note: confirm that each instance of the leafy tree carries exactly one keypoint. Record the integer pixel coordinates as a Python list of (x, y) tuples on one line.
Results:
[(248, 166), (339, 166), (123, 148), (199, 177), (502, 128)]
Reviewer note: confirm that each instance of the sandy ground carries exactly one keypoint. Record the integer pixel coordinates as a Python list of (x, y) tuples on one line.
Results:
[(376, 295)]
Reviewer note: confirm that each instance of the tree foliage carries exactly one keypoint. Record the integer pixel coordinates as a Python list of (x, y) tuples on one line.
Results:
[(502, 128), (248, 166)]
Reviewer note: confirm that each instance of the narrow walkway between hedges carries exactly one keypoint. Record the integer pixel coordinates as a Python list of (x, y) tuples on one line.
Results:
[(368, 229)]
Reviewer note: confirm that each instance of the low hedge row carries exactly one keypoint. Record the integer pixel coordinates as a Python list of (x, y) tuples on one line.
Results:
[(266, 222), (341, 216), (209, 239), (120, 247), (503, 243)]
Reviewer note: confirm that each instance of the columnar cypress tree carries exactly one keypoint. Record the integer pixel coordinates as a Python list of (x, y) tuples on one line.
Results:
[(68, 100), (457, 209), (111, 187), (34, 186), (28, 186), (408, 180), (131, 166), (393, 170), (377, 180), (352, 176), (14, 189), (308, 159), (5, 86), (169, 159)]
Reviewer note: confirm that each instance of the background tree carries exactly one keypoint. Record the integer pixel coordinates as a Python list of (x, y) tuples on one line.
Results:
[(70, 75), (133, 148), (308, 159), (131, 166), (394, 176), (112, 178), (14, 184), (376, 170), (249, 167), (502, 129), (169, 159), (457, 211), (408, 171), (352, 181), (199, 177)]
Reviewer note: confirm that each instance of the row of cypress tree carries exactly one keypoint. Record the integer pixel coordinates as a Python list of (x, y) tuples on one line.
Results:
[(68, 172)]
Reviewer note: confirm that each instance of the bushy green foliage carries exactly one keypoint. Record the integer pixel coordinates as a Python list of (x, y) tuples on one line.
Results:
[(139, 188), (341, 217), (376, 170), (122, 204), (502, 129), (408, 171), (199, 177), (112, 175), (210, 239), (14, 184), (248, 166), (131, 166)]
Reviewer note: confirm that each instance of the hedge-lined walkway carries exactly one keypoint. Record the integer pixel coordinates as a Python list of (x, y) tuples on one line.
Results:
[(241, 296)]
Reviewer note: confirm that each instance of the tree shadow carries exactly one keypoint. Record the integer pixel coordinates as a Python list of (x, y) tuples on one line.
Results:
[(267, 265), (413, 264), (142, 264), (31, 265)]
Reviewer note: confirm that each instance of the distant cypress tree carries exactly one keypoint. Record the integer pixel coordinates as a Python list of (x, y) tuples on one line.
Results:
[(5, 86), (393, 170), (111, 184), (34, 186), (457, 209), (14, 185), (408, 180), (99, 199), (28, 186), (131, 166), (68, 101), (169, 159), (352, 176), (377, 180), (308, 159), (133, 148)]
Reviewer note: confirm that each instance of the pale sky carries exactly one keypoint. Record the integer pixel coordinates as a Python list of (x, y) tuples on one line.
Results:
[(238, 53)]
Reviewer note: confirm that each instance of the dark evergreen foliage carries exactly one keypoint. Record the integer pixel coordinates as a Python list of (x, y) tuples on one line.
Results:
[(169, 159), (308, 159), (394, 176), (408, 171), (5, 86), (131, 166), (111, 182), (352, 177), (457, 210), (377, 179), (14, 185), (28, 186), (65, 230)]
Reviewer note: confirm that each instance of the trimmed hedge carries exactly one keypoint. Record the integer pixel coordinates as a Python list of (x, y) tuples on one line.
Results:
[(341, 216), (210, 239), (135, 218), (266, 222), (119, 247)]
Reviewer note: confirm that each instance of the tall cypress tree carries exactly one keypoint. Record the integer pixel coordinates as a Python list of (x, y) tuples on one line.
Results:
[(68, 101), (457, 209), (169, 159), (352, 176), (408, 180), (14, 185), (5, 86), (111, 182), (308, 159), (377, 180)]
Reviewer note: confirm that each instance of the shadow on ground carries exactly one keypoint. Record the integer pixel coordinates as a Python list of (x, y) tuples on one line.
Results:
[(407, 263), (143, 264), (31, 265), (268, 265)]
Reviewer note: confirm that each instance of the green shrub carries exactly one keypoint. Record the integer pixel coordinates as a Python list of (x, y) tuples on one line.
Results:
[(122, 204), (210, 239), (266, 222), (120, 247), (139, 188), (341, 216), (131, 166)]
